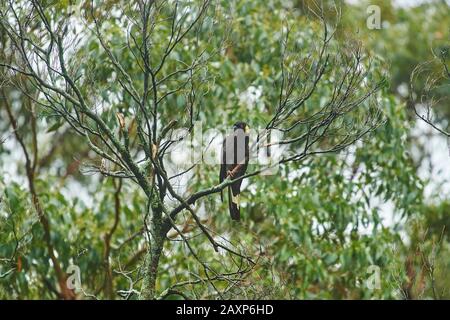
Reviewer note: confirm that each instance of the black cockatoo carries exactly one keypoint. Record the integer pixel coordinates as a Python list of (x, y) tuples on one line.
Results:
[(235, 157)]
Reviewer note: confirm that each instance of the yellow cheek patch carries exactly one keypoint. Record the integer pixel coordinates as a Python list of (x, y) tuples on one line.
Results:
[(247, 129)]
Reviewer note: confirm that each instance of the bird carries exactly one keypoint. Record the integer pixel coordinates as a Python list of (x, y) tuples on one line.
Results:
[(234, 162)]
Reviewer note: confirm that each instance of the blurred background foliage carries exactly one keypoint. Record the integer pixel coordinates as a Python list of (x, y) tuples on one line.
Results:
[(317, 227)]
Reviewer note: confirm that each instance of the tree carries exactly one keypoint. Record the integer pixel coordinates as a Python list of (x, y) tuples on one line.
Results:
[(136, 75)]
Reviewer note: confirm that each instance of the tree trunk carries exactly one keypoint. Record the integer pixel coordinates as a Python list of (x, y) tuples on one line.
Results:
[(156, 246)]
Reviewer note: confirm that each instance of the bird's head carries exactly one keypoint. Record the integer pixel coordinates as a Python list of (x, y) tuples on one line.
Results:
[(241, 126)]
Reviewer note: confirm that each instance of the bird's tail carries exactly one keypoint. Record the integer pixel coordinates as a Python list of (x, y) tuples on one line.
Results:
[(233, 204)]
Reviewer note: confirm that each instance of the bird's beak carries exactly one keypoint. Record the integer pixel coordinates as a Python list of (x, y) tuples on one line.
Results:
[(247, 129)]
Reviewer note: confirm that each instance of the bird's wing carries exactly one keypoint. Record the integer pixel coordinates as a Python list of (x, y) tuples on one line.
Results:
[(241, 156), (235, 157), (233, 204)]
